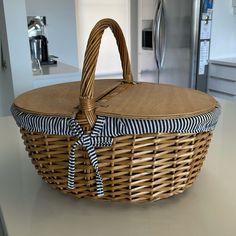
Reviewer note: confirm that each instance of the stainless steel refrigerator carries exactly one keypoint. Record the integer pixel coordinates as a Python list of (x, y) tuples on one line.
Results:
[(174, 41)]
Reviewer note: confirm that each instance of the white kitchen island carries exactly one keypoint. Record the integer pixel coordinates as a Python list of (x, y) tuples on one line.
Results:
[(29, 207), (55, 74)]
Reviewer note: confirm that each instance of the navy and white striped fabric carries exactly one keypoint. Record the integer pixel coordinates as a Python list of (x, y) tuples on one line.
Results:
[(89, 143), (108, 127)]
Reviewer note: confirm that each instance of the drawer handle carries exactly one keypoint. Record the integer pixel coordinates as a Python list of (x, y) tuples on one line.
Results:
[(220, 78), (216, 91)]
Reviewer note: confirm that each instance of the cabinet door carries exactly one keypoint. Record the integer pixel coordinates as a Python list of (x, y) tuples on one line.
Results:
[(222, 81), (91, 11)]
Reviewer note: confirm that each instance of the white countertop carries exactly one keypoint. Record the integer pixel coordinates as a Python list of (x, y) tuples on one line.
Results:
[(31, 208), (57, 70), (229, 61)]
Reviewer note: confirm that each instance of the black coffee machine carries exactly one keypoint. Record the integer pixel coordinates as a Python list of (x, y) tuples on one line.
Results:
[(39, 48), (38, 40)]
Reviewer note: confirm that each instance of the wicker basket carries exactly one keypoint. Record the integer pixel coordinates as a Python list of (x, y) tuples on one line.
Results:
[(134, 167)]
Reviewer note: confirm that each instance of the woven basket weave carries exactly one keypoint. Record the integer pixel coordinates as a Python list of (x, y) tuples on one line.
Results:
[(136, 167)]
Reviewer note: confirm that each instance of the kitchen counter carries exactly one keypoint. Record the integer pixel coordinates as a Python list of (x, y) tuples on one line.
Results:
[(55, 74), (231, 61), (57, 69), (222, 78), (31, 208), (63, 73)]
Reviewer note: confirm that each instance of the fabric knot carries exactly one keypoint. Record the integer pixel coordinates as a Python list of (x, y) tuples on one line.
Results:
[(75, 129), (86, 140), (89, 142)]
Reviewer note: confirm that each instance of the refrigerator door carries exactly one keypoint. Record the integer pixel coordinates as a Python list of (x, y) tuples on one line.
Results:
[(177, 35)]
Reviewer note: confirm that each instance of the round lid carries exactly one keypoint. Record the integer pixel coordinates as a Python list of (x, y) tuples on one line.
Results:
[(150, 101), (60, 99), (141, 100)]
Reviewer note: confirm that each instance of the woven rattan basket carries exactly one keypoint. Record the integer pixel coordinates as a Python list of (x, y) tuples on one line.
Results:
[(116, 139)]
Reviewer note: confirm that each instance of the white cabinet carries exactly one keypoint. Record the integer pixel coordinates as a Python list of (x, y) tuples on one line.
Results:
[(222, 66), (222, 78)]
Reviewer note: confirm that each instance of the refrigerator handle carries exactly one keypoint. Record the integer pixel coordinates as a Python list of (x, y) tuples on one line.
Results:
[(156, 27), (162, 34), (159, 38)]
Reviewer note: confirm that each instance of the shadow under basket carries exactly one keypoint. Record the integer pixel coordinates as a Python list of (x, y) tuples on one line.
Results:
[(112, 139)]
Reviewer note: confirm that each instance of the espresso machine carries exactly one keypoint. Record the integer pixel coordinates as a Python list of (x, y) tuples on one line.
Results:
[(38, 41)]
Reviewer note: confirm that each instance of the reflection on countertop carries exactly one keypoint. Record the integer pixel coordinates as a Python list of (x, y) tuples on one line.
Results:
[(57, 69)]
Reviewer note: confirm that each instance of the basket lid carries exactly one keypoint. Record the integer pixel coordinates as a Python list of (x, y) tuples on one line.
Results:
[(140, 101), (60, 99), (150, 101)]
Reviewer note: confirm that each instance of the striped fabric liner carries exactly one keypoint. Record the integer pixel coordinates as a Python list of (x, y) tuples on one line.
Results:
[(106, 128)]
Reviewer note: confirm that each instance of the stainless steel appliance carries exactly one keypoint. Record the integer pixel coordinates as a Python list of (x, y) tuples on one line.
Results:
[(180, 42), (38, 40), (39, 48)]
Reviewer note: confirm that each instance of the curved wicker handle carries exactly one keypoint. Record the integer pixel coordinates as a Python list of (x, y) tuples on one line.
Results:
[(87, 102)]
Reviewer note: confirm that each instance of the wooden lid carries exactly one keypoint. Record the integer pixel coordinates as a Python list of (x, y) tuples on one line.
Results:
[(60, 99), (150, 101), (141, 101)]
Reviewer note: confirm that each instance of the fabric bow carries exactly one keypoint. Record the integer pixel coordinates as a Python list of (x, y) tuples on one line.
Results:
[(89, 142)]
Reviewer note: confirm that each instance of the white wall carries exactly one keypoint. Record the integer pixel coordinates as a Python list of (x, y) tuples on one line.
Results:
[(223, 42), (18, 43), (91, 11), (18, 76), (133, 37), (6, 87), (61, 30)]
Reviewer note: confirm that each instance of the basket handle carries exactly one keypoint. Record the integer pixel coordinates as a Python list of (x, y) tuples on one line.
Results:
[(87, 102)]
